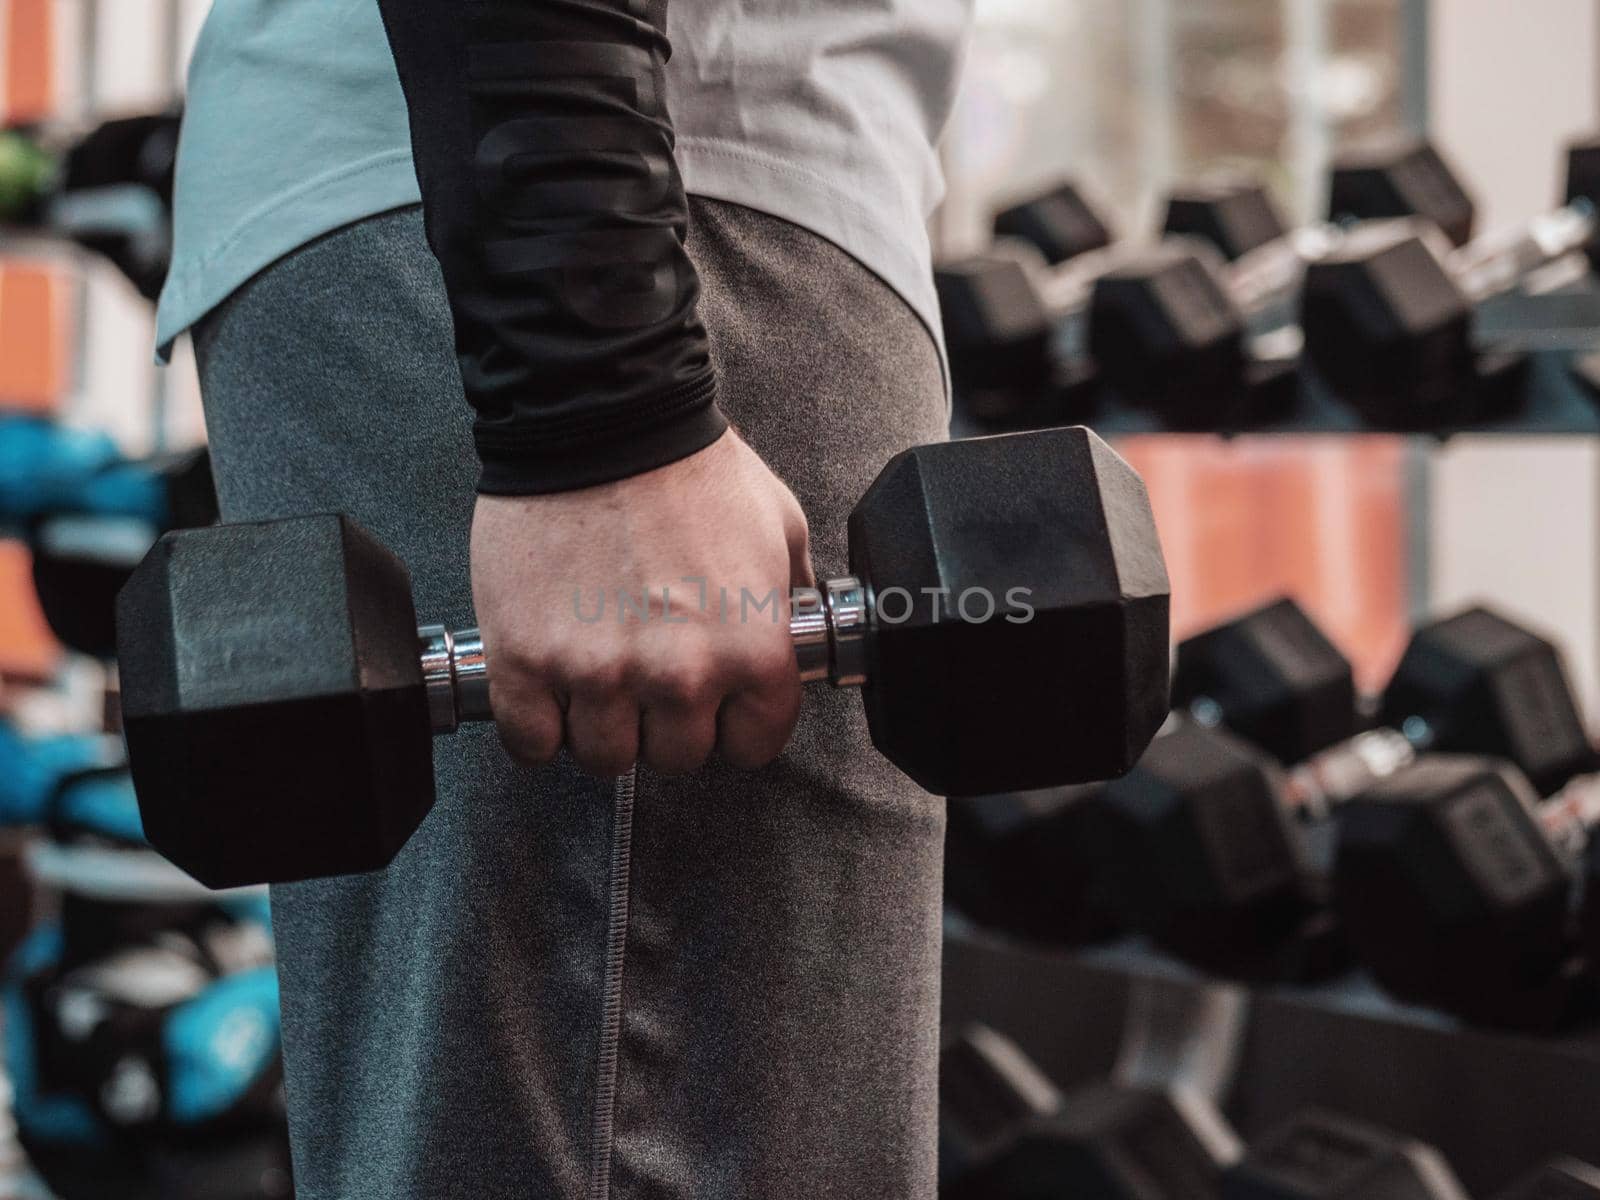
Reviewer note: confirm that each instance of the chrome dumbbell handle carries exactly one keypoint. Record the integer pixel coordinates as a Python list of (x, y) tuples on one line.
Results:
[(828, 626), (1488, 266), (455, 675)]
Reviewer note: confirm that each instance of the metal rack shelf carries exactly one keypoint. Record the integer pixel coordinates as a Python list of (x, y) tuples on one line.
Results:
[(1495, 1103)]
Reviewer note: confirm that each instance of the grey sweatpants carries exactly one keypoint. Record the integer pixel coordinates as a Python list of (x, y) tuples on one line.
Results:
[(722, 986)]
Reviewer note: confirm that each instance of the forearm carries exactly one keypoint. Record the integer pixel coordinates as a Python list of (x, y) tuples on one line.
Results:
[(554, 205)]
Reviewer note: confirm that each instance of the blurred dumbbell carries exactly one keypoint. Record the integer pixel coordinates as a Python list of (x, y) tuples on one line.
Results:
[(1389, 317), (1318, 1155), (1271, 676), (1034, 865), (109, 191), (1199, 328), (1400, 178), (80, 560), (1003, 363), (1060, 221), (1455, 885), (89, 515), (48, 469), (1473, 682), (1159, 323), (1234, 214), (35, 769), (148, 1041), (1006, 1132), (1156, 322), (1208, 342), (278, 697), (1016, 353), (1227, 856), (1193, 328), (1416, 888), (1214, 859)]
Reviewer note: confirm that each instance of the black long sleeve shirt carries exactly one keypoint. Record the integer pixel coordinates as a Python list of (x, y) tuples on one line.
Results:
[(552, 200)]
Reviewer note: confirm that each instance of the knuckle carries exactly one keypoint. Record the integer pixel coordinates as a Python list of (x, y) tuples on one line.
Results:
[(599, 673), (687, 677), (767, 663), (690, 684)]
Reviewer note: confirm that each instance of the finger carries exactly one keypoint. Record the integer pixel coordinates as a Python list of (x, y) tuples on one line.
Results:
[(529, 720), (603, 732), (798, 535), (754, 725), (676, 738)]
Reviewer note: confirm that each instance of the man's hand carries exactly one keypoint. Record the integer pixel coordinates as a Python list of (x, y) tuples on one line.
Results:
[(714, 543)]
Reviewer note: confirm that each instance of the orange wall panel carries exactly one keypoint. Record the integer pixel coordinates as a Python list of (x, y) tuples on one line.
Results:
[(35, 361), (27, 650), (34, 354), (30, 83), (1319, 518)]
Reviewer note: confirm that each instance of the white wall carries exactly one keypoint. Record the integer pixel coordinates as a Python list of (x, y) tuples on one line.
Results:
[(1514, 522), (1517, 520), (1509, 83)]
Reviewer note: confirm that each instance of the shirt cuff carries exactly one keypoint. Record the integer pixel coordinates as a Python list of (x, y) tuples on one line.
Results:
[(535, 461)]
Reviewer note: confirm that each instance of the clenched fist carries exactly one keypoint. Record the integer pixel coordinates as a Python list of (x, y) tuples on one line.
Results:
[(645, 620)]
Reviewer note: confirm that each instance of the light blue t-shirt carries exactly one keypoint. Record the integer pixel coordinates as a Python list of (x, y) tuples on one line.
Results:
[(821, 112), (294, 124)]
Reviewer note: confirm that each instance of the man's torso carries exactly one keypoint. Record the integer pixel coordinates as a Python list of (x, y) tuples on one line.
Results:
[(823, 113)]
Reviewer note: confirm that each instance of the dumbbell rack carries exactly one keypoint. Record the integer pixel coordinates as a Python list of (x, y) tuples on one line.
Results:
[(1493, 1102), (1560, 393)]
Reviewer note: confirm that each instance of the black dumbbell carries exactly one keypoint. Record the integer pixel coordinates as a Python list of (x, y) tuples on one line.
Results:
[(47, 468), (1400, 178), (1015, 352), (109, 191), (1211, 858), (1273, 677), (1003, 362), (1559, 1179), (1455, 885), (1318, 1155), (1144, 319), (1019, 334), (1234, 214), (80, 560), (1227, 856), (278, 697), (1473, 682), (1389, 318), (1412, 180), (1007, 1133), (1200, 329), (1060, 222), (1208, 343), (1034, 865)]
